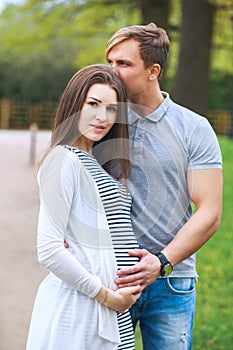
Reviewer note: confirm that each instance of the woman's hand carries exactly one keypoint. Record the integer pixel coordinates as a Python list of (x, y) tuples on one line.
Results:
[(66, 245), (120, 299)]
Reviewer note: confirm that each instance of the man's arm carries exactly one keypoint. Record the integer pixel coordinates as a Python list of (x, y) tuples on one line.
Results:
[(205, 187)]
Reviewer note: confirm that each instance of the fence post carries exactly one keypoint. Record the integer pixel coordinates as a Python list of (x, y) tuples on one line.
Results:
[(5, 113), (33, 130)]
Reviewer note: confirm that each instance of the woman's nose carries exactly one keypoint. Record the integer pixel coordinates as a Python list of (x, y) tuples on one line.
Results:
[(101, 113)]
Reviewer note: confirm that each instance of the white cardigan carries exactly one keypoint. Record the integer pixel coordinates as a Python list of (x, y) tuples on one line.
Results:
[(71, 209)]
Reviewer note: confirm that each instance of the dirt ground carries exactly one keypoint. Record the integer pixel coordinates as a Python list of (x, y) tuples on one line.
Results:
[(20, 273)]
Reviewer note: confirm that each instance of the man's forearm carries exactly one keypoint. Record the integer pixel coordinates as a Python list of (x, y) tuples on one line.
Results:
[(193, 235)]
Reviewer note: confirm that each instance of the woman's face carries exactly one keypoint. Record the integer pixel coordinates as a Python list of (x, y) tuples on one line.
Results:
[(98, 113)]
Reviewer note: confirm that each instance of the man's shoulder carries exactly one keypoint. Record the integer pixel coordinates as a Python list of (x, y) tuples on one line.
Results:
[(184, 110), (183, 116)]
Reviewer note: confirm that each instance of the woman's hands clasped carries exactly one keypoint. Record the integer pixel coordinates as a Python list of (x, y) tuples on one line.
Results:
[(120, 299)]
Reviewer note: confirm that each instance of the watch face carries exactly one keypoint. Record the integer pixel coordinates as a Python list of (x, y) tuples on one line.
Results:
[(167, 269)]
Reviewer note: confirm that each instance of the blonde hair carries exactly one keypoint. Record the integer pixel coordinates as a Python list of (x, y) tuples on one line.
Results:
[(153, 43)]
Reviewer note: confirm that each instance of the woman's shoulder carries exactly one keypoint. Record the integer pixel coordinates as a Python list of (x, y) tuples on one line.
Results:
[(63, 154), (60, 159)]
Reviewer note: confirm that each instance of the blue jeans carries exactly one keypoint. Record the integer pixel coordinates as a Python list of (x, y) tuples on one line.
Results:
[(165, 312)]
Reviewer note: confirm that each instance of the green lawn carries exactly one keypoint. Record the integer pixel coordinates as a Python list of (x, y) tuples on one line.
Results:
[(213, 326)]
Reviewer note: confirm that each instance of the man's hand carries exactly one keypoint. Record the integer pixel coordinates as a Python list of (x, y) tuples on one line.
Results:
[(145, 272)]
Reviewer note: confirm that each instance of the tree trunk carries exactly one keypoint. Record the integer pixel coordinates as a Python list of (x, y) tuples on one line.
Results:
[(156, 11), (191, 82)]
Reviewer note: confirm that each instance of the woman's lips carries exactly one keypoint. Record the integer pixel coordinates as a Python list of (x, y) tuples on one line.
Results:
[(98, 127)]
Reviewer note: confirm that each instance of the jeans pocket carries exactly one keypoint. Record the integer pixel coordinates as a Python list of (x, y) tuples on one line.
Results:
[(181, 285)]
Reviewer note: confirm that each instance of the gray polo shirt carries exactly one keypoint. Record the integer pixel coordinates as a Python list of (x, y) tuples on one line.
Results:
[(165, 145)]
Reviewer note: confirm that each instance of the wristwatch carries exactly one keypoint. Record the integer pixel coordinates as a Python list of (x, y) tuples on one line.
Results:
[(166, 267)]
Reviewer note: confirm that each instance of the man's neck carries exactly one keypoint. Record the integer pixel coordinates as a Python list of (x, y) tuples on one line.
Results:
[(145, 105)]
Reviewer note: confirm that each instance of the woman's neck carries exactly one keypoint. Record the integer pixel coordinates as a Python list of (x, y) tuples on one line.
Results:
[(84, 144)]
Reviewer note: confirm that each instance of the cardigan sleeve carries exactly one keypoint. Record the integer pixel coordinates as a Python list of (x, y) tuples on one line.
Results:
[(58, 184)]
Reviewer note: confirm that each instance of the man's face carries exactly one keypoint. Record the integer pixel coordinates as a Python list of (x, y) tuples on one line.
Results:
[(127, 63)]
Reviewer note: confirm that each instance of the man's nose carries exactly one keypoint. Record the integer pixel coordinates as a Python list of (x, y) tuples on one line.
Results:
[(114, 67)]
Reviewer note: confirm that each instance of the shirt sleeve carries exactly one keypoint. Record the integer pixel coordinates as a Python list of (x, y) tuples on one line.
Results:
[(58, 183), (204, 150)]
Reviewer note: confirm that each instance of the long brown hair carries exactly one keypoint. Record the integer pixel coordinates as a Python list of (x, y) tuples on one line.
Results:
[(113, 150)]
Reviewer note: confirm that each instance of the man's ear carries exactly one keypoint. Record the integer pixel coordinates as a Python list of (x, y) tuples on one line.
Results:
[(154, 71)]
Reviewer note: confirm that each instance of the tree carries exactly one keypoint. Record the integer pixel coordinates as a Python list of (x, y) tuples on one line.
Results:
[(42, 43), (191, 82), (156, 11)]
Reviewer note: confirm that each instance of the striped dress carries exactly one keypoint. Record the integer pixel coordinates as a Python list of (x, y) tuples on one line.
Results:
[(117, 205)]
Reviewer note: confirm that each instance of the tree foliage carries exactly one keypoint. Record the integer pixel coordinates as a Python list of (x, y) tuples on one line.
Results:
[(42, 43)]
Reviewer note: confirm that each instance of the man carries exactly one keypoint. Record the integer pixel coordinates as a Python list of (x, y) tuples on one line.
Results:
[(176, 160)]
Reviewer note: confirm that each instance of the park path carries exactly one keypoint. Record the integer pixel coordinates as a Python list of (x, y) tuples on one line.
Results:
[(20, 273)]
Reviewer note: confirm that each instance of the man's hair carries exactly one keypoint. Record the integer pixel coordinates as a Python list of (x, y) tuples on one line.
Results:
[(153, 43)]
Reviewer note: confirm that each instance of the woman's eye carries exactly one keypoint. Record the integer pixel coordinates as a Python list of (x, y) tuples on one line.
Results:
[(93, 104), (111, 109)]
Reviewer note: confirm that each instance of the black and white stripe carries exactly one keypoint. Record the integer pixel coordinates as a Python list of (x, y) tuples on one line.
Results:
[(117, 204)]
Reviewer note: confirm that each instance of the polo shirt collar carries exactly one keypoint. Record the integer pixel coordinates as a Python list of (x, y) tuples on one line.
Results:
[(156, 115)]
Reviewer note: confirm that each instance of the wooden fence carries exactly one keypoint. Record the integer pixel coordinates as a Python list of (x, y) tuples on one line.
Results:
[(23, 115), (221, 121)]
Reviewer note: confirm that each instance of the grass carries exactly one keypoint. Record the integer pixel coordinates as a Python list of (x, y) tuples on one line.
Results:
[(213, 326)]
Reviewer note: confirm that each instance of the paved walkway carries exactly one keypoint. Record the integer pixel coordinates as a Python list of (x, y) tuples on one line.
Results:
[(20, 274)]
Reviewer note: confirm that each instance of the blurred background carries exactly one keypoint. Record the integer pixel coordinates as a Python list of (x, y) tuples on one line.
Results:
[(42, 44)]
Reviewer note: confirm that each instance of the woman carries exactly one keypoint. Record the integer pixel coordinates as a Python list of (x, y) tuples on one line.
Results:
[(77, 305)]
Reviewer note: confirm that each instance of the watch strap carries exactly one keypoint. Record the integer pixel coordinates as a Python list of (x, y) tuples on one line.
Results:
[(166, 267), (162, 258)]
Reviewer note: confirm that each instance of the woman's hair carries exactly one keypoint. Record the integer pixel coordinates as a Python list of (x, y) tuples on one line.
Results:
[(153, 43), (113, 150)]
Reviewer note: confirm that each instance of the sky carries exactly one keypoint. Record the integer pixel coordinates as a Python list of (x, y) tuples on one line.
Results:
[(3, 3)]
